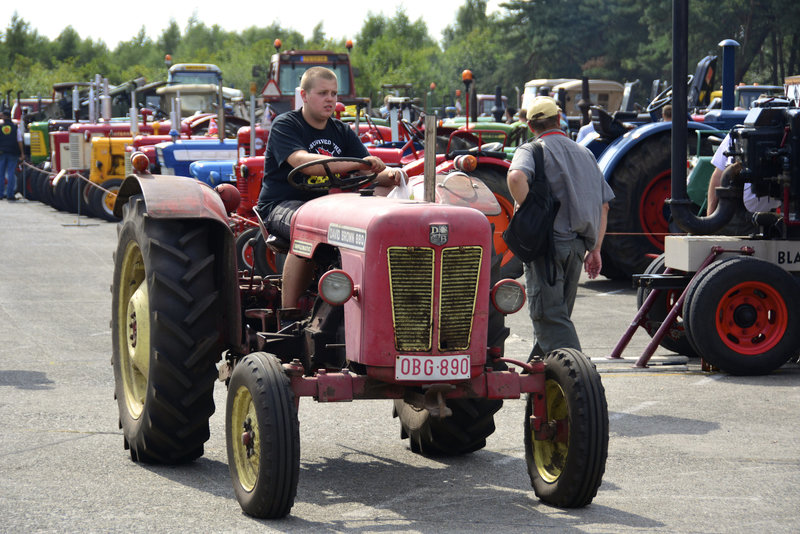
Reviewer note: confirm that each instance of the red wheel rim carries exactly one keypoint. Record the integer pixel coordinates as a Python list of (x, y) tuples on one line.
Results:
[(653, 212), (751, 318)]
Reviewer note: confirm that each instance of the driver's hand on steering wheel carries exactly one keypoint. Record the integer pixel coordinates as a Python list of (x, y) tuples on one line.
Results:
[(375, 164)]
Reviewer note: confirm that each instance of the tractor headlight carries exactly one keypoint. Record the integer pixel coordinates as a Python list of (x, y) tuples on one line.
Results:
[(508, 296), (336, 287)]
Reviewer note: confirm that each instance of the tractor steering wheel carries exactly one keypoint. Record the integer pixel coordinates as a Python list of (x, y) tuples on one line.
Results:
[(331, 180), (663, 98)]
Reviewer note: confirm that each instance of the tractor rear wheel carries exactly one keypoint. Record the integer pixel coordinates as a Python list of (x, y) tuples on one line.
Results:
[(262, 436), (244, 249), (102, 200), (566, 467), (638, 215), (675, 339), (494, 177), (744, 317), (463, 432), (165, 332)]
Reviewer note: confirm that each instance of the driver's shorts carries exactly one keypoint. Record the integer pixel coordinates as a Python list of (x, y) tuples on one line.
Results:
[(279, 219)]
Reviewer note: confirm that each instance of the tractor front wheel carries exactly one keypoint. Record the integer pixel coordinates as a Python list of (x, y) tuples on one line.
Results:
[(743, 317), (102, 200), (566, 457), (165, 334), (262, 436)]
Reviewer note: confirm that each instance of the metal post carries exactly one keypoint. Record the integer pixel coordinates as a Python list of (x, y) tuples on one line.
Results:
[(430, 158)]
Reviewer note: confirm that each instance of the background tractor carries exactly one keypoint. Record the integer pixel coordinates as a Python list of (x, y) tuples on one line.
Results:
[(732, 300), (407, 305)]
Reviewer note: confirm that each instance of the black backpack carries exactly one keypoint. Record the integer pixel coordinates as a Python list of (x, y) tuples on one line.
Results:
[(530, 231)]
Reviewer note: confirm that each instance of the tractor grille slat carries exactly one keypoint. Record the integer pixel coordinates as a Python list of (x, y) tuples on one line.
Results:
[(460, 270), (75, 151), (411, 286), (128, 164)]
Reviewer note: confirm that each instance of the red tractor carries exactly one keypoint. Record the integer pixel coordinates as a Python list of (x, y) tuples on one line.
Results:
[(406, 305)]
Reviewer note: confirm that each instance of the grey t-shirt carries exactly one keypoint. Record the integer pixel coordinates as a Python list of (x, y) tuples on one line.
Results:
[(576, 181)]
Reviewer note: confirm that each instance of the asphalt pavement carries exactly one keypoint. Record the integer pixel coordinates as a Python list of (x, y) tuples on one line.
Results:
[(689, 452)]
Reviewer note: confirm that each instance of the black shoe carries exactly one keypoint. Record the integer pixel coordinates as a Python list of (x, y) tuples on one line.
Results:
[(12, 199)]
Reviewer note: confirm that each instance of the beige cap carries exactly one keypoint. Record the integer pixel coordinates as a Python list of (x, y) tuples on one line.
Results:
[(542, 107)]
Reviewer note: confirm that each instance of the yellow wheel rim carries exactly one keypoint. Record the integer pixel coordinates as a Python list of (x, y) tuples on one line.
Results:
[(550, 455), (110, 198), (246, 449), (134, 329)]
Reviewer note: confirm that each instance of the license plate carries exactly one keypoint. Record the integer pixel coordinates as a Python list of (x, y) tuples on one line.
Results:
[(432, 367)]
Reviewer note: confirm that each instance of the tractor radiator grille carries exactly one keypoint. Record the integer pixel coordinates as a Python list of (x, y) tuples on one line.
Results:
[(411, 275), (460, 269), (411, 286), (128, 166), (38, 147), (75, 151)]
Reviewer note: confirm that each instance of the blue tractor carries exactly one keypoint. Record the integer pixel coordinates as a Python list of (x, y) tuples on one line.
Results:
[(634, 154)]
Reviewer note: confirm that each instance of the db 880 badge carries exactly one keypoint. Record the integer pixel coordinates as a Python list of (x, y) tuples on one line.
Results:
[(439, 234)]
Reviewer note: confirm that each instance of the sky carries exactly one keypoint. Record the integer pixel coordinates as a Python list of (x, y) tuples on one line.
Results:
[(112, 22)]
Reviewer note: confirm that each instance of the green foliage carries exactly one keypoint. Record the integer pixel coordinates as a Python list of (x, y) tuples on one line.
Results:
[(615, 39)]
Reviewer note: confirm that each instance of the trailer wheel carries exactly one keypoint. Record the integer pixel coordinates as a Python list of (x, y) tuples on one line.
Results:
[(675, 339), (244, 250), (748, 311), (463, 432), (165, 333), (102, 200), (262, 436), (691, 289), (566, 467)]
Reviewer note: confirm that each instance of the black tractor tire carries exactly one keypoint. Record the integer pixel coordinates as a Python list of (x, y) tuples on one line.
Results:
[(245, 250), (690, 299), (567, 469), (263, 437), (27, 188), (744, 315), (69, 194), (59, 194), (102, 201), (46, 189), (164, 285), (675, 338), (463, 432), (636, 182)]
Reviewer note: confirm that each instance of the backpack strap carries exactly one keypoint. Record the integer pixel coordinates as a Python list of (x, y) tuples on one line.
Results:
[(539, 175)]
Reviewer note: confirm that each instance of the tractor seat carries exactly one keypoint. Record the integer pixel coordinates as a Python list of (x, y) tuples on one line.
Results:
[(278, 244)]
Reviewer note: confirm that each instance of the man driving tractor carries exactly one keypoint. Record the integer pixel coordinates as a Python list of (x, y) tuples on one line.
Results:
[(299, 137)]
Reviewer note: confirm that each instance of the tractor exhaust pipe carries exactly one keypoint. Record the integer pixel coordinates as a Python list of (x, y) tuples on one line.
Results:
[(680, 204)]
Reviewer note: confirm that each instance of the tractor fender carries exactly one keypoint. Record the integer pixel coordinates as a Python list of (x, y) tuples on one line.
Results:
[(617, 150), (172, 197), (178, 197)]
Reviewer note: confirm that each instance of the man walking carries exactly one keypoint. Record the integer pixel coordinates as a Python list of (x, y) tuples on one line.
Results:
[(576, 180), (11, 150)]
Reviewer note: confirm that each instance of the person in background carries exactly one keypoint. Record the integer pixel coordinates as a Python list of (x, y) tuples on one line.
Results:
[(666, 113), (579, 227), (12, 151)]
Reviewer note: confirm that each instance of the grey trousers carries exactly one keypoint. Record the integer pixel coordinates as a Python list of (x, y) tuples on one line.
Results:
[(550, 307)]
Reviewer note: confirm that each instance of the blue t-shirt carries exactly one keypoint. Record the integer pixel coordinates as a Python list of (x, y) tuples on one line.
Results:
[(290, 133)]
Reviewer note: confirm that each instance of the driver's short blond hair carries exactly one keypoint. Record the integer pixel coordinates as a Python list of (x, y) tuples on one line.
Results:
[(315, 73)]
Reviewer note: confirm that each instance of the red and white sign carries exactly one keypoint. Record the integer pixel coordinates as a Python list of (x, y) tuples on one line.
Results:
[(271, 89), (432, 367)]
